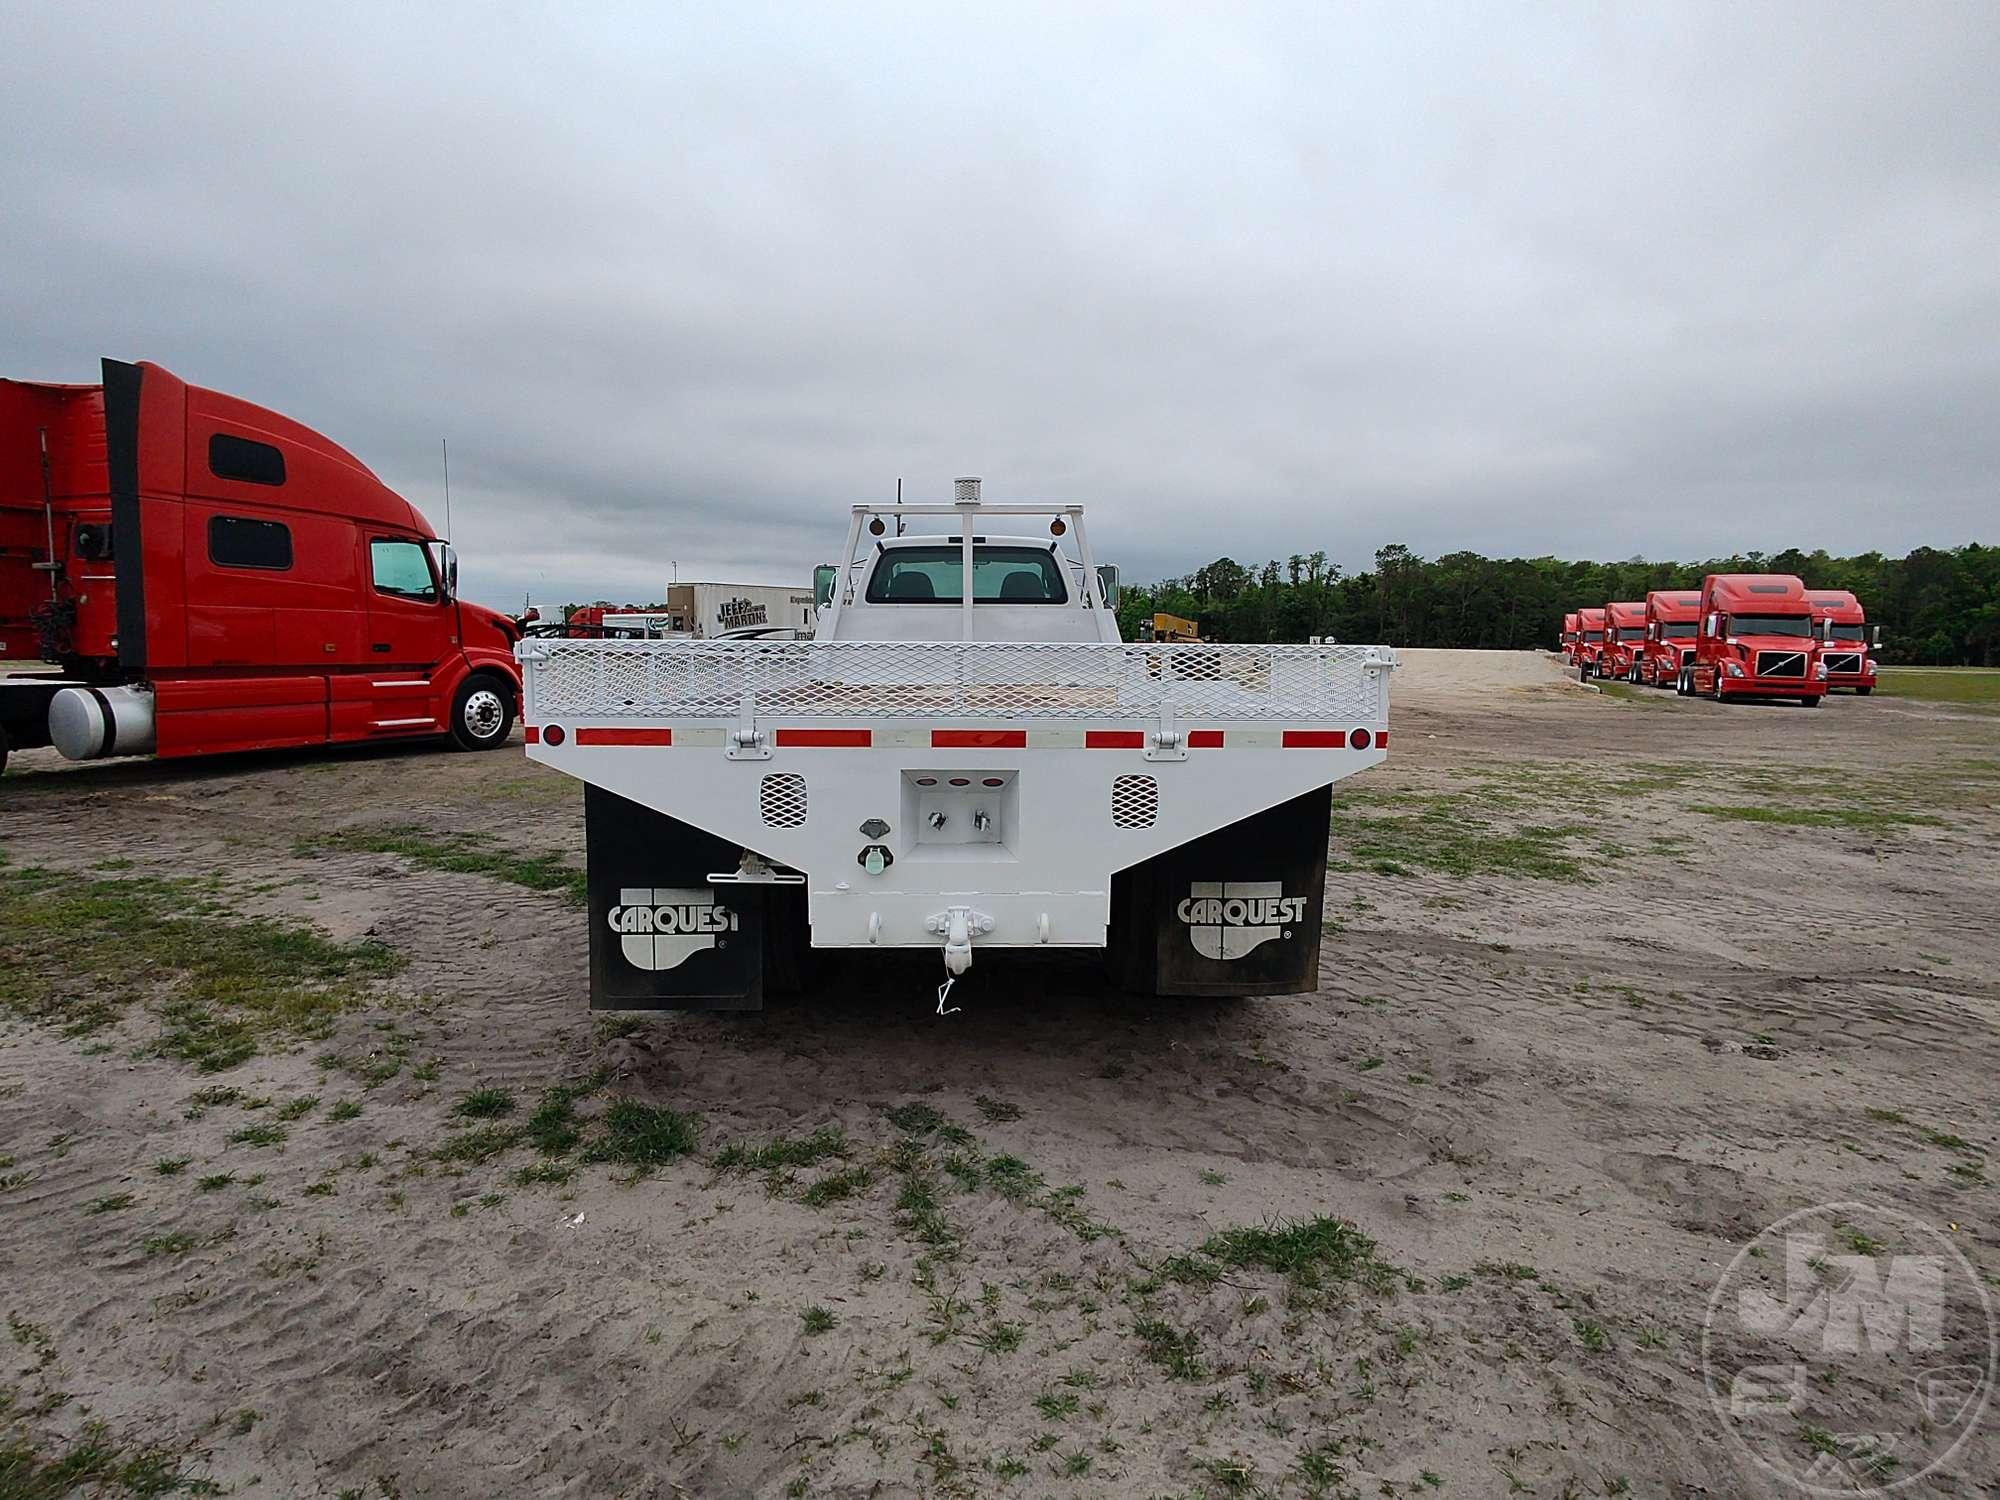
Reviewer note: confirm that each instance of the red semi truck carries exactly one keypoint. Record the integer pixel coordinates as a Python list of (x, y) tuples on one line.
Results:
[(1571, 634), (1624, 639), (1844, 640), (1590, 640), (1670, 624), (1755, 638), (208, 576)]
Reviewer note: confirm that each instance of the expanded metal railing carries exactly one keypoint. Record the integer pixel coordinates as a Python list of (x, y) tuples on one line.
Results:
[(958, 679)]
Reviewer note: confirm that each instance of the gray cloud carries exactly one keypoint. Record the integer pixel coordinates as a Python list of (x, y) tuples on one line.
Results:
[(682, 285)]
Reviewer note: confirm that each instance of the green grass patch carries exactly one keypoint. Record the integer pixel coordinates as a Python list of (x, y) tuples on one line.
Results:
[(642, 1136), (82, 952), (484, 1104), (1820, 817), (92, 1463), (479, 1144), (458, 852), (1975, 685), (773, 1156), (1177, 1350), (1452, 838), (1310, 1252)]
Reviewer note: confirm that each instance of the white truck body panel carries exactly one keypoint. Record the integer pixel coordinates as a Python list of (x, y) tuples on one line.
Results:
[(1081, 757)]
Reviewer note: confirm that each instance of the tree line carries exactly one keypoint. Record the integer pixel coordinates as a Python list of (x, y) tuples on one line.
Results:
[(1936, 606)]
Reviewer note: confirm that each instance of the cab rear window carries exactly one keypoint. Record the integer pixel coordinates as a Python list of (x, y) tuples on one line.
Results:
[(1000, 575)]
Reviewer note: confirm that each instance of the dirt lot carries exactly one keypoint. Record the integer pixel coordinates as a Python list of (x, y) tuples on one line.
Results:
[(317, 1177)]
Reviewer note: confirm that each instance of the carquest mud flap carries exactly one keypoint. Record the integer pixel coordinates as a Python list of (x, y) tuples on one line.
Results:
[(662, 937), (1235, 912)]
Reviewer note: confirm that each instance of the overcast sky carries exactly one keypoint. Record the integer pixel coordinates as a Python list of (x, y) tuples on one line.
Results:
[(684, 282)]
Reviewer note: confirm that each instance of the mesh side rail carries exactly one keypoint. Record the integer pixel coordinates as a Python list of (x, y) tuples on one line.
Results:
[(978, 679)]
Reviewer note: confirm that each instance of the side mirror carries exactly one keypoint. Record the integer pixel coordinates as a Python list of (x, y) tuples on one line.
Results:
[(1107, 583), (1877, 639), (448, 568), (823, 585)]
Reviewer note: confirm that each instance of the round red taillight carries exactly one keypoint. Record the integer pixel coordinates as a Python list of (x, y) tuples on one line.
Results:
[(961, 781), (553, 735), (1360, 739), (995, 781), (927, 781)]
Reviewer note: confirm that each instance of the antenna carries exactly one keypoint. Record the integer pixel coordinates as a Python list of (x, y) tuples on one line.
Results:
[(899, 502), (447, 487)]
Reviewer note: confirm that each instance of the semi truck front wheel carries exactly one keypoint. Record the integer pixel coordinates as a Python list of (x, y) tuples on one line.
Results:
[(482, 712)]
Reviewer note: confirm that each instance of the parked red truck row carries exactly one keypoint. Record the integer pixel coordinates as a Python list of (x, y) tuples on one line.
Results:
[(1844, 639), (1624, 639), (210, 576), (1590, 640), (1755, 638), (1671, 615)]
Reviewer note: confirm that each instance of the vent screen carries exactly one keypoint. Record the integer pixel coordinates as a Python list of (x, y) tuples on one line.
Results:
[(781, 800), (1135, 801)]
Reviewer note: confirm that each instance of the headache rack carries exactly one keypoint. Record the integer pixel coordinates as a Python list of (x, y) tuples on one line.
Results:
[(679, 679)]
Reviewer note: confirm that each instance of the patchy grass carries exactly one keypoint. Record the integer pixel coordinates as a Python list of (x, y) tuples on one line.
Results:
[(1975, 685), (479, 1144), (92, 1463), (1450, 836), (1820, 817), (83, 952), (1177, 1350), (642, 1136), (458, 852), (484, 1104), (804, 1151), (817, 1320), (1309, 1252)]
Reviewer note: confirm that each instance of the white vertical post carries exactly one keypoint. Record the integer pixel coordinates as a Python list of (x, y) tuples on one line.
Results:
[(965, 497)]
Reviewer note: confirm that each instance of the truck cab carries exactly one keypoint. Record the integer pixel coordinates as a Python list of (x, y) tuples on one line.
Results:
[(206, 575), (1671, 615), (1624, 639), (1755, 638), (1590, 640), (1570, 635), (1844, 640)]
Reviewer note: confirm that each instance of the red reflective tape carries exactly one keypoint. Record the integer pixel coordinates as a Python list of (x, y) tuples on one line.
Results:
[(532, 733), (828, 739), (624, 736), (1114, 739), (1204, 739), (1315, 739), (979, 739), (1381, 739)]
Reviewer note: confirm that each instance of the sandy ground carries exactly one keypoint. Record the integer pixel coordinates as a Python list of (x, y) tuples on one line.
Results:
[(1559, 1106)]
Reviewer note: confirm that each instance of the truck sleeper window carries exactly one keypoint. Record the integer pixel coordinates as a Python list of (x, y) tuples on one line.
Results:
[(239, 542), (1000, 575), (400, 568)]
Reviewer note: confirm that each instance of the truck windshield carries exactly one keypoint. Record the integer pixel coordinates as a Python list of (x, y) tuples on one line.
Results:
[(1631, 632), (1848, 632), (1677, 630), (1000, 575), (1593, 635), (1798, 625)]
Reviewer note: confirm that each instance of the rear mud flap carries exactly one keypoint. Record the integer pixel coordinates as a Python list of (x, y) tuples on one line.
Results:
[(662, 937), (1235, 912)]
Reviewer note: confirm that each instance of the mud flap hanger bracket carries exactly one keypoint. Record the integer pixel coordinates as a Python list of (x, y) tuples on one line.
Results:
[(1166, 741)]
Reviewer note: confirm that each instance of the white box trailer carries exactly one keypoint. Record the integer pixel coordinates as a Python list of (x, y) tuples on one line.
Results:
[(713, 609), (1034, 783)]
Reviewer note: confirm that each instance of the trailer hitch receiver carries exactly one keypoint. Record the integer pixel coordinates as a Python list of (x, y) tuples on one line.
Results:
[(960, 925)]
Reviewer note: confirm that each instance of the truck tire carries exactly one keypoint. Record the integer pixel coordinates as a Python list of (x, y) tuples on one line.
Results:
[(1812, 702), (1860, 692), (482, 712), (3, 749)]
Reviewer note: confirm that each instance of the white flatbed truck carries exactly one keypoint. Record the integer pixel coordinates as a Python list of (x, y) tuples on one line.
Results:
[(964, 757)]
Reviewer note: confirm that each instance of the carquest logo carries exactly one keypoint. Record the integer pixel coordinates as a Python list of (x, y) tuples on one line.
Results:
[(662, 929), (1228, 918)]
